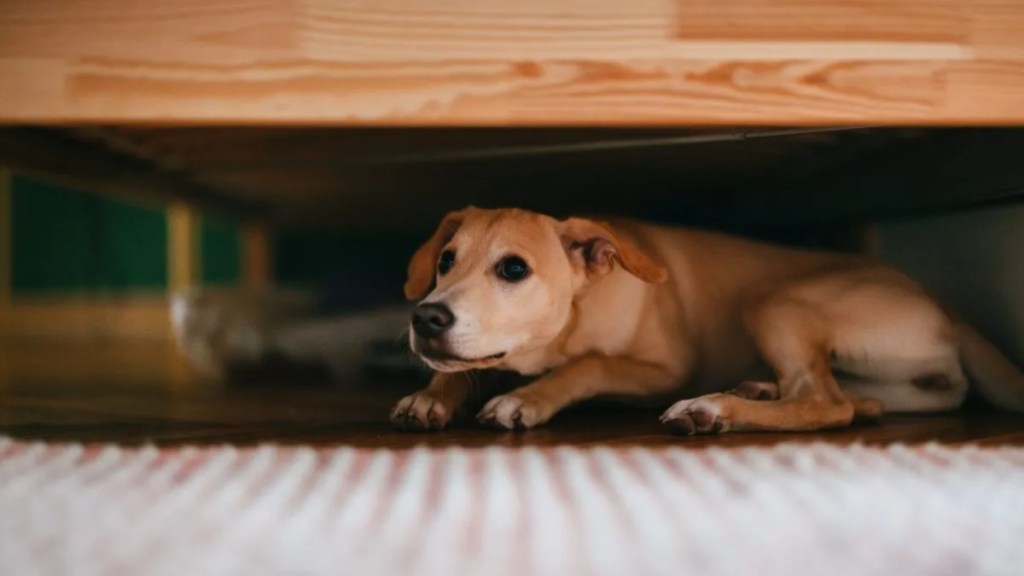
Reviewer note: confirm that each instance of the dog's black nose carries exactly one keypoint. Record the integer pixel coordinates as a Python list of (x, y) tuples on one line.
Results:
[(432, 320)]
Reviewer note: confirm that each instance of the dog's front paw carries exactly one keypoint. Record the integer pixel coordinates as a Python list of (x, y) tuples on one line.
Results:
[(702, 415), (419, 412), (514, 412)]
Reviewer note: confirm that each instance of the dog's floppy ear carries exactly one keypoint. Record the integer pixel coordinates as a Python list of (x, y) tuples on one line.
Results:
[(424, 262), (598, 246)]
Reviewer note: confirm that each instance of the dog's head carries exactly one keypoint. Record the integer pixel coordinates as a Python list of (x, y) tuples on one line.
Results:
[(494, 283)]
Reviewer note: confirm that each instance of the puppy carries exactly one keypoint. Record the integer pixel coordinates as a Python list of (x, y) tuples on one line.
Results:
[(753, 336)]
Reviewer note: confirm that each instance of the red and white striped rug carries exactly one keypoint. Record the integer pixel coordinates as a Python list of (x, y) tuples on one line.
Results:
[(787, 510)]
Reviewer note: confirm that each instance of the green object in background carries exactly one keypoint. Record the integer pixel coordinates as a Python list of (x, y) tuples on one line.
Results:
[(220, 251), (69, 241), (66, 241)]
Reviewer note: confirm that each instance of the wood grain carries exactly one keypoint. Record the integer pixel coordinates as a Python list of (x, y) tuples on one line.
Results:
[(895, 21), (996, 29), (530, 62)]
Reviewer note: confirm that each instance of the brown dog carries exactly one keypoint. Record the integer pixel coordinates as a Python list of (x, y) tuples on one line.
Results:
[(758, 337)]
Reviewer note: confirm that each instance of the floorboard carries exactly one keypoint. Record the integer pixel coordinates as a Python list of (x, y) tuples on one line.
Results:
[(144, 394)]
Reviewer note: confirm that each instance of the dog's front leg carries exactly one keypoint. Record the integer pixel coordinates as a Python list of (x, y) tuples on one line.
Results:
[(432, 408), (583, 378)]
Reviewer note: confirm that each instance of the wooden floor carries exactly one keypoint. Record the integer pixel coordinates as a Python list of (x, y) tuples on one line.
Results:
[(143, 393)]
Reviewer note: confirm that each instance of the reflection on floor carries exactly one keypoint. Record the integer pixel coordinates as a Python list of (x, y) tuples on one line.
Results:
[(143, 393)]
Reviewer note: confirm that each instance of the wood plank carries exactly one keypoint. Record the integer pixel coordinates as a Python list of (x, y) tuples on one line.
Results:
[(994, 89), (184, 252), (531, 62), (257, 258), (896, 21), (996, 29)]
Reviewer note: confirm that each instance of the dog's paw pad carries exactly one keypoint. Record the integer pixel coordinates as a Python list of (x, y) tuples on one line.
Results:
[(696, 416), (419, 412)]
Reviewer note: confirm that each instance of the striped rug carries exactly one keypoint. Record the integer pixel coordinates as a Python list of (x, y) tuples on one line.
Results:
[(790, 510)]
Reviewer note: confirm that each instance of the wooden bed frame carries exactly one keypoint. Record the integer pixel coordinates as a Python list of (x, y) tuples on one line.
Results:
[(528, 62)]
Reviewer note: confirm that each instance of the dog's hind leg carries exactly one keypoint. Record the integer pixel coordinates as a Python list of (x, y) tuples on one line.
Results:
[(793, 339), (871, 323), (864, 407)]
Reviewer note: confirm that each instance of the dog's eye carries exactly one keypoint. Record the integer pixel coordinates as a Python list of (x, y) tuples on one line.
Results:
[(513, 269), (445, 263)]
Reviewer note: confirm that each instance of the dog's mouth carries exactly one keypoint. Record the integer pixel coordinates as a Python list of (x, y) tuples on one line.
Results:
[(438, 355), (443, 356)]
